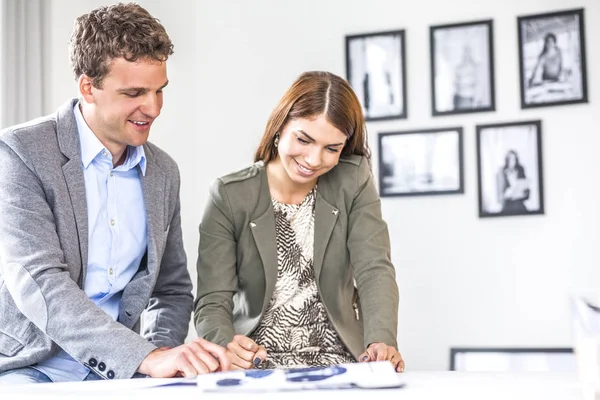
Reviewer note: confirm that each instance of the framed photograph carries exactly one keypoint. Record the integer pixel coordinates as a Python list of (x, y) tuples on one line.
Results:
[(376, 70), (462, 68), (552, 59), (423, 162), (515, 359), (509, 161)]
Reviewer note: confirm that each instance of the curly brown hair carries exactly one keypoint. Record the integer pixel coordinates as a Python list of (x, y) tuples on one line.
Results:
[(115, 31), (313, 94)]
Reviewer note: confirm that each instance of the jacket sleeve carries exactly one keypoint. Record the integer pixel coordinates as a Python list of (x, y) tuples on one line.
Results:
[(369, 248), (167, 316), (217, 277), (33, 267)]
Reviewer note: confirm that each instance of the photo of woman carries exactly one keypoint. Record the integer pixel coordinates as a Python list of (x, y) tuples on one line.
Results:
[(509, 159), (513, 186), (552, 59)]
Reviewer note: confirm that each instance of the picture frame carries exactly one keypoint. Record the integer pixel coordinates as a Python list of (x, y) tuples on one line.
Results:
[(552, 59), (513, 359), (509, 169), (421, 162), (462, 68), (376, 70)]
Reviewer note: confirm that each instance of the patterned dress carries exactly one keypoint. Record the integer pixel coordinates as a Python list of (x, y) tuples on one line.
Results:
[(295, 329)]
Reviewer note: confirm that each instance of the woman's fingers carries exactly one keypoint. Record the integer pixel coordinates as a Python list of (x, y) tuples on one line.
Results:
[(245, 353), (239, 356), (381, 352)]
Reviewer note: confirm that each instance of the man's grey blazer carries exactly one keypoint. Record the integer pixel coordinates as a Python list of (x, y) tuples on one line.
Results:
[(43, 257)]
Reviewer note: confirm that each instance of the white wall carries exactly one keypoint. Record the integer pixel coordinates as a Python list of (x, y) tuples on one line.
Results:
[(463, 281)]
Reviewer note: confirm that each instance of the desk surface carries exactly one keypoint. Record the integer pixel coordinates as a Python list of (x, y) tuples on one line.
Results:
[(419, 385)]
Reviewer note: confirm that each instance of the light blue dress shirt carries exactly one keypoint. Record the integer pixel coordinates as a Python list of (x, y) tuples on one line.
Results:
[(117, 235)]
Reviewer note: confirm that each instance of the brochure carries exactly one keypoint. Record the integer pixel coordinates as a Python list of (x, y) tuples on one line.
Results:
[(373, 375)]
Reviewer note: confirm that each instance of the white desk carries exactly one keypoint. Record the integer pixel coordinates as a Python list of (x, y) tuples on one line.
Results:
[(419, 385)]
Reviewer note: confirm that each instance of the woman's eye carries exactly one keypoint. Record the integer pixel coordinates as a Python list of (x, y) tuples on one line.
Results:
[(331, 149), (303, 141)]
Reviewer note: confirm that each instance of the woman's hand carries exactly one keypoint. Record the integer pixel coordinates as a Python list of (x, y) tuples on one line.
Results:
[(244, 353), (382, 352)]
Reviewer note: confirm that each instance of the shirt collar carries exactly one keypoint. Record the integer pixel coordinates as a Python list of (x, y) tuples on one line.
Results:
[(135, 156), (91, 146)]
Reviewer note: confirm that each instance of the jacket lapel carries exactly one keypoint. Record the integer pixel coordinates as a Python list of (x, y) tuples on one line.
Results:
[(153, 186), (263, 232), (326, 216), (73, 173), (68, 142)]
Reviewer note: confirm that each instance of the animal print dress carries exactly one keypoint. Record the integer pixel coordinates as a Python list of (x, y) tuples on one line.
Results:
[(295, 329)]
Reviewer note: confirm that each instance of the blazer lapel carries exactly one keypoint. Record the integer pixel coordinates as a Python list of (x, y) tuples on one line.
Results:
[(153, 186), (73, 173), (263, 231), (68, 141), (325, 218)]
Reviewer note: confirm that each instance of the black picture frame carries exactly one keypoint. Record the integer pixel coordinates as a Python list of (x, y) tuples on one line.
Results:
[(455, 352), (462, 68), (421, 162), (376, 70), (504, 189), (559, 78)]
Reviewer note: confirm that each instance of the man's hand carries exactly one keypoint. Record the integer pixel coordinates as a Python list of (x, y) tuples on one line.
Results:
[(381, 352), (188, 360), (244, 353)]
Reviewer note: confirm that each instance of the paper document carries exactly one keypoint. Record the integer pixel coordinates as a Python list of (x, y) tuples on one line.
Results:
[(372, 375)]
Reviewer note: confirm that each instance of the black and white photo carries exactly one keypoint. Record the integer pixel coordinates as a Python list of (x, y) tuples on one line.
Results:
[(509, 161), (423, 162), (552, 59), (375, 68), (462, 68)]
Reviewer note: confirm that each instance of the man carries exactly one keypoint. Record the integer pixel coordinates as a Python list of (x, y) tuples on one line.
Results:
[(90, 227)]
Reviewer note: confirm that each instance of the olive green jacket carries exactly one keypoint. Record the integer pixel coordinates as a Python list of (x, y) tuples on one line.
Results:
[(237, 262)]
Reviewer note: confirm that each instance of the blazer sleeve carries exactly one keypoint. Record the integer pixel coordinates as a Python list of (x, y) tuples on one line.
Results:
[(167, 316), (369, 248), (33, 267), (217, 276)]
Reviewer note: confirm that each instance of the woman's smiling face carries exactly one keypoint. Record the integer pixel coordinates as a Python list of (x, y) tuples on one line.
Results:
[(308, 148)]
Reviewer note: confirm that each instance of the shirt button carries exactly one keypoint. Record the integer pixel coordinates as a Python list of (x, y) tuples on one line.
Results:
[(112, 222), (101, 366), (111, 173), (110, 374), (104, 153), (110, 271)]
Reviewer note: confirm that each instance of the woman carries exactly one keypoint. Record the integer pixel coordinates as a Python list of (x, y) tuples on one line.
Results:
[(513, 186), (549, 62), (283, 241)]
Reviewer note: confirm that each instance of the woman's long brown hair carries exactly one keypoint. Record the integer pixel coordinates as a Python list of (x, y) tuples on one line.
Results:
[(315, 94)]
